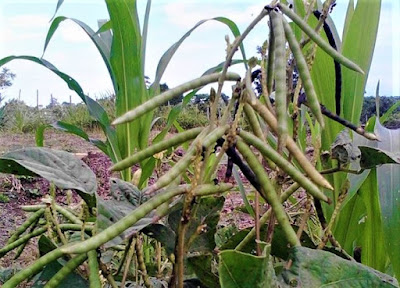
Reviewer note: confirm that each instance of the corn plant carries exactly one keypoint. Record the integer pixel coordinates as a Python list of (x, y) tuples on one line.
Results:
[(123, 52), (190, 210)]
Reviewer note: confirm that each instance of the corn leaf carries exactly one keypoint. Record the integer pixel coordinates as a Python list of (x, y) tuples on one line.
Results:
[(167, 56), (358, 45)]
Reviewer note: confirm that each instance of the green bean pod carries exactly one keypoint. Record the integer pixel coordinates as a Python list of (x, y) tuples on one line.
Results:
[(94, 278), (170, 94), (268, 192), (76, 227), (156, 148), (21, 229), (305, 76), (301, 159), (67, 269), (68, 214), (210, 189), (280, 77), (186, 160), (318, 40), (271, 60), (21, 241), (283, 164)]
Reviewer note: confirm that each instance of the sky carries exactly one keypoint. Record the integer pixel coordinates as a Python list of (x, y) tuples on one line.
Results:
[(24, 25)]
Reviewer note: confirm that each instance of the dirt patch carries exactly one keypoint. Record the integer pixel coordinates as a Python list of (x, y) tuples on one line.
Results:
[(53, 139)]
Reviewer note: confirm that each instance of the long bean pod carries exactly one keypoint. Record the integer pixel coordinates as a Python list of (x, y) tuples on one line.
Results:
[(318, 40), (156, 148), (280, 78), (268, 192), (67, 269), (304, 73), (21, 241), (270, 67), (210, 189), (94, 278), (187, 159), (302, 160), (285, 165), (170, 94), (21, 229)]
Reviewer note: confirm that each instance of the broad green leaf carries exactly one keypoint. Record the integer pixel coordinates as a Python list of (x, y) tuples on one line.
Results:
[(349, 15), (72, 84), (242, 270), (126, 63), (350, 225), (373, 252), (162, 234), (358, 45), (389, 112), (72, 280), (316, 268), (59, 125), (59, 167), (389, 192), (202, 266), (299, 9), (205, 217), (373, 157), (144, 33), (45, 245), (96, 39)]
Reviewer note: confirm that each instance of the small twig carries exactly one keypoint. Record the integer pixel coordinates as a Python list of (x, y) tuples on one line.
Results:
[(131, 250), (141, 264), (340, 200)]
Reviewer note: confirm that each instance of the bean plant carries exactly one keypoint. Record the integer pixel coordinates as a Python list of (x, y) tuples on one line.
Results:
[(174, 221)]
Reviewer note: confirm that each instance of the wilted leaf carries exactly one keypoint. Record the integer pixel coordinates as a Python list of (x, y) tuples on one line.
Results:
[(126, 198), (59, 167), (343, 149)]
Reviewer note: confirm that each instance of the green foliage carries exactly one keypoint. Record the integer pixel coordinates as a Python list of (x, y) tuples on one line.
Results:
[(187, 192)]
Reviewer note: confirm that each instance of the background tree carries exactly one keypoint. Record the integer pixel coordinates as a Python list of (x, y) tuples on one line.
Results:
[(6, 78)]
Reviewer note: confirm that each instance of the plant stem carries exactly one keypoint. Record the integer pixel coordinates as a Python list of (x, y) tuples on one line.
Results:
[(284, 196), (268, 192), (141, 263)]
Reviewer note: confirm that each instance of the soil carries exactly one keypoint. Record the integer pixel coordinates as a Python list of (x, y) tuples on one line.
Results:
[(28, 190)]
